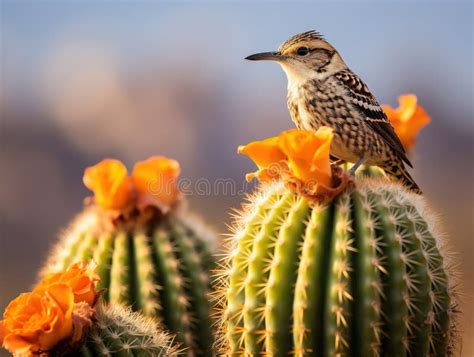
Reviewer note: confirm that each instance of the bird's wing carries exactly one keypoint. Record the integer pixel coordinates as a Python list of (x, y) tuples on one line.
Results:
[(374, 114)]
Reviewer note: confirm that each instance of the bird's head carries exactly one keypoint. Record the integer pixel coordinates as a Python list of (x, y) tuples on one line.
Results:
[(304, 56)]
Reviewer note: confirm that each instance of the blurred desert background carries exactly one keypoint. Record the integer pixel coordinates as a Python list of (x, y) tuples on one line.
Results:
[(85, 80)]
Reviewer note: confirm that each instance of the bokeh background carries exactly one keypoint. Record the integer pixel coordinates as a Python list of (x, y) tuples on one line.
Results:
[(84, 80)]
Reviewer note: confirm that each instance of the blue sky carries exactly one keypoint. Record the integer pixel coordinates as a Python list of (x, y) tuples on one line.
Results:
[(396, 47)]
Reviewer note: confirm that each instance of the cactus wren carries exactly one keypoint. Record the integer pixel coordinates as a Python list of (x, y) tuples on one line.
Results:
[(322, 90)]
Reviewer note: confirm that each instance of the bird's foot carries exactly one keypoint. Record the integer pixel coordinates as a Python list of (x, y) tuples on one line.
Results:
[(354, 168)]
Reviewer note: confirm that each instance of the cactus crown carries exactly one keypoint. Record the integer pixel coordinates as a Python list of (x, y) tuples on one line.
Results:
[(362, 273)]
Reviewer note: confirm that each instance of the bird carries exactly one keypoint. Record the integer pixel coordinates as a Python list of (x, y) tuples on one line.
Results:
[(324, 91)]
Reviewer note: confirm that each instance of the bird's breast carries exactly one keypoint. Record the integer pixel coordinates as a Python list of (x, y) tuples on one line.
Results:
[(303, 115)]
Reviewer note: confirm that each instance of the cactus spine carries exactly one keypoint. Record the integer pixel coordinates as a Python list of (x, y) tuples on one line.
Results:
[(362, 276), (117, 331), (159, 267)]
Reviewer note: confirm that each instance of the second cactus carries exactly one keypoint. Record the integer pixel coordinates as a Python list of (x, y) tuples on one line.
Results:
[(151, 255)]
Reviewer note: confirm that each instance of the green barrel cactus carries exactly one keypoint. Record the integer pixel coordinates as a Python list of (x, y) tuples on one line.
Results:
[(117, 331), (157, 262), (361, 275)]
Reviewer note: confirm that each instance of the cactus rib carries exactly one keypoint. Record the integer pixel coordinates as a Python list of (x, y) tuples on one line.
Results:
[(196, 290), (309, 296), (394, 309), (237, 276), (283, 275)]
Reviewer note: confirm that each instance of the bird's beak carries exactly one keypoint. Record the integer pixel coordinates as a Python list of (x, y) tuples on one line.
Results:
[(266, 56)]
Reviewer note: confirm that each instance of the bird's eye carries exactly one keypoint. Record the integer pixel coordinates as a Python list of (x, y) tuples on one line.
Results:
[(302, 51)]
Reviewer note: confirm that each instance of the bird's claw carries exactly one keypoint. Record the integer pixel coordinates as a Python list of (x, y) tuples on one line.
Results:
[(354, 168), (352, 171)]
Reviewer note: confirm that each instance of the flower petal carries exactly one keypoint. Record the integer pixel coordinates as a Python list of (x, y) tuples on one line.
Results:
[(263, 152), (408, 119), (36, 322), (17, 344), (308, 154), (61, 304), (80, 277), (109, 181), (155, 181), (407, 106)]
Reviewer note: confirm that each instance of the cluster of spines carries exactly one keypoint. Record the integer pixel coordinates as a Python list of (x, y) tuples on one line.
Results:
[(368, 267), (160, 270), (117, 331)]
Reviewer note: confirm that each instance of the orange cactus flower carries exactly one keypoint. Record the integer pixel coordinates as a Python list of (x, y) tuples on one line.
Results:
[(36, 322), (111, 186), (308, 154), (304, 154), (155, 182), (268, 157), (263, 152), (80, 277), (408, 119), (58, 309)]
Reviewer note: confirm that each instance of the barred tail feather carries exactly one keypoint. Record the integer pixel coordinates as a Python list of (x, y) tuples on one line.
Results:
[(399, 173)]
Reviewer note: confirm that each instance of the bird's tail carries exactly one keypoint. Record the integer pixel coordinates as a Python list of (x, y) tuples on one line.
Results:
[(400, 173)]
